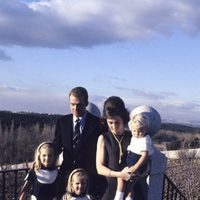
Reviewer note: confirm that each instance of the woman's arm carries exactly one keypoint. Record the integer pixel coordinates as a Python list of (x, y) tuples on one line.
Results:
[(100, 163), (100, 157)]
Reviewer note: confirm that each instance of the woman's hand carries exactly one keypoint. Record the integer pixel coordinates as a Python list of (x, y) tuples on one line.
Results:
[(126, 174)]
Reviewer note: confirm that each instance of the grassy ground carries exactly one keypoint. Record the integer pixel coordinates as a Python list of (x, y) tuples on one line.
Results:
[(185, 173)]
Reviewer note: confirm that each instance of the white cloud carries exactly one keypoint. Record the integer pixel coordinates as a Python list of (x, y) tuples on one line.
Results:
[(6, 88), (65, 23), (184, 106), (170, 110), (179, 111), (18, 99), (147, 94), (4, 57)]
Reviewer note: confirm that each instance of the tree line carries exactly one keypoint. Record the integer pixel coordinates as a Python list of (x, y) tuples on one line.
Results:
[(20, 134)]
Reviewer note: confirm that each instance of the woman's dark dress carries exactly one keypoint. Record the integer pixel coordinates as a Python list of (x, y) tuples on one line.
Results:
[(112, 160)]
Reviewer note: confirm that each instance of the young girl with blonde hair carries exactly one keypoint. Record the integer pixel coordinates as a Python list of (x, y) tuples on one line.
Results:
[(42, 177), (77, 187)]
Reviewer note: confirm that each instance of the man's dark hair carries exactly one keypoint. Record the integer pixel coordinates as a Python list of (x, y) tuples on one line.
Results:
[(80, 92)]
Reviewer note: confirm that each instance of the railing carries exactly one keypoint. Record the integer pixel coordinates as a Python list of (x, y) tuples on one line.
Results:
[(12, 180), (170, 191)]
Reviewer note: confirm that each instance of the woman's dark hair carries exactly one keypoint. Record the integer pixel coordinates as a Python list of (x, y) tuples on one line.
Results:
[(114, 106)]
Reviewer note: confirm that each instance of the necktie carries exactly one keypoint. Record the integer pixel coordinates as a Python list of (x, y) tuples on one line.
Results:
[(77, 134)]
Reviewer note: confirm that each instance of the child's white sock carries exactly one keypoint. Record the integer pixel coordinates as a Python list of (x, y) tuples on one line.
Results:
[(129, 198), (119, 195)]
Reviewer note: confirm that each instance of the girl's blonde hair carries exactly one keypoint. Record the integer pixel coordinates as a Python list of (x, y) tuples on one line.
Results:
[(44, 145), (79, 172), (139, 121)]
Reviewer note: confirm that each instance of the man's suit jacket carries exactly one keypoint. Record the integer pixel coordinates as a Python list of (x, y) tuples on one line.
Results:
[(85, 157)]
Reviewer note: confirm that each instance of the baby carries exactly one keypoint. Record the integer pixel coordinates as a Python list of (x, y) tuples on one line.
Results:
[(139, 150)]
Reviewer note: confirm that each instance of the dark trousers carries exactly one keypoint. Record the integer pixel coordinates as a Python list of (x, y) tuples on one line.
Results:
[(97, 186)]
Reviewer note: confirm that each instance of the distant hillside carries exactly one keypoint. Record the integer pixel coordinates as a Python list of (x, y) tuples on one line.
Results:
[(179, 128), (27, 119), (20, 134), (177, 136)]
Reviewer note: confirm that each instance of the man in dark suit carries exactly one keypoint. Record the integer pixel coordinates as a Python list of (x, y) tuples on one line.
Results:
[(79, 149)]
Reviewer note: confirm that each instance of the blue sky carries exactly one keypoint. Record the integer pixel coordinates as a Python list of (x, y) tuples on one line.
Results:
[(146, 52)]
